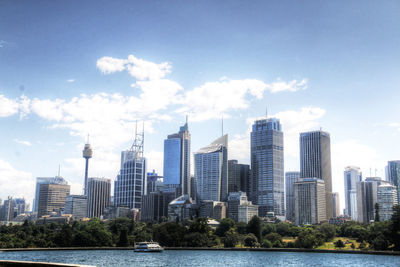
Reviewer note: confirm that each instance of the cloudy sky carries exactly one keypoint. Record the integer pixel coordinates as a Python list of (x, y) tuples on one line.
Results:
[(72, 68)]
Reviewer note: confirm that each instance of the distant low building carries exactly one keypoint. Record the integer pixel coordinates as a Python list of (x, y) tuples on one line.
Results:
[(155, 206), (76, 205), (180, 209), (213, 209), (340, 220), (246, 211), (111, 213)]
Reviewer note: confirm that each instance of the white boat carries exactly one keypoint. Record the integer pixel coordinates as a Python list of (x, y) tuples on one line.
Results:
[(148, 247)]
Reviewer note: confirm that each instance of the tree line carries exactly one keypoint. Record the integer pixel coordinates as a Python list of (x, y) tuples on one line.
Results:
[(123, 232)]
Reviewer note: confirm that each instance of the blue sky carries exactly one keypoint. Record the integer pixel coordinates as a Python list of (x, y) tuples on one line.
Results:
[(68, 69)]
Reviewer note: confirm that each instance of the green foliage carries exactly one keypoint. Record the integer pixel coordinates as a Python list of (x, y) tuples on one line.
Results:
[(353, 246), (250, 240), (395, 227), (307, 239), (254, 227), (339, 244), (268, 228), (231, 239), (377, 218), (328, 231), (224, 226), (266, 243)]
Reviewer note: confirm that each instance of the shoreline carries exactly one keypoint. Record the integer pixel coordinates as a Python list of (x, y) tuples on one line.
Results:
[(370, 252)]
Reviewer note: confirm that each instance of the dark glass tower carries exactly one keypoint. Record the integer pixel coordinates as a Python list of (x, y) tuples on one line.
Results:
[(267, 167), (315, 162)]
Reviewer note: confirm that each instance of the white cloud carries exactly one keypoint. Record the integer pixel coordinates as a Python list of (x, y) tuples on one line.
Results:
[(71, 80), (23, 142), (8, 107), (18, 183), (213, 99), (138, 68)]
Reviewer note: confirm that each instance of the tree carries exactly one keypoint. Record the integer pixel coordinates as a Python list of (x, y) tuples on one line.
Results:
[(224, 226), (395, 227), (254, 227), (268, 228), (231, 239), (306, 239), (339, 244), (123, 238), (283, 229), (377, 219), (328, 230), (275, 239), (266, 243), (250, 240)]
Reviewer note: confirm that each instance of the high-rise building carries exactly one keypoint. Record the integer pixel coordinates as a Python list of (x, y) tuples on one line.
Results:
[(180, 209), (20, 206), (87, 153), (387, 198), (315, 162), (246, 211), (154, 182), (238, 177), (99, 196), (267, 167), (213, 209), (237, 199), (155, 206), (211, 170), (367, 197), (394, 175), (45, 180), (309, 195), (290, 179), (177, 160), (130, 185), (352, 175), (52, 198), (335, 205), (76, 205), (8, 209)]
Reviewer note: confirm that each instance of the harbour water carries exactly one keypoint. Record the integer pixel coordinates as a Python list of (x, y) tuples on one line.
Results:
[(199, 258)]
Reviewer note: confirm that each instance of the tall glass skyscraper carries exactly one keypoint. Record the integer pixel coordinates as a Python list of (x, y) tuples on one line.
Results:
[(394, 175), (352, 175), (267, 167), (290, 179), (177, 160), (211, 170), (315, 162), (130, 185)]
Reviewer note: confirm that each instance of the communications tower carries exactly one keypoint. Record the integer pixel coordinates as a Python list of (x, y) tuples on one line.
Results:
[(87, 154)]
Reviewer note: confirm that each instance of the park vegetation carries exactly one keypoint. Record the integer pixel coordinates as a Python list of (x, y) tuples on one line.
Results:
[(123, 232)]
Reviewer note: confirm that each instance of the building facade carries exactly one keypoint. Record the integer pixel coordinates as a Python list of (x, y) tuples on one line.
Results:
[(52, 198), (76, 205), (154, 182), (246, 211), (45, 180), (177, 160), (213, 209), (335, 205), (352, 175), (267, 167), (315, 162), (367, 197), (238, 177), (155, 206), (310, 206), (211, 170), (387, 198), (394, 175), (98, 196), (290, 179)]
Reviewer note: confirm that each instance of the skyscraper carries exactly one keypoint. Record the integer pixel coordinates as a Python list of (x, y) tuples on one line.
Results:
[(130, 185), (352, 175), (177, 160), (98, 196), (267, 167), (335, 205), (387, 198), (76, 205), (238, 177), (52, 198), (315, 162), (45, 180), (394, 176), (367, 197), (309, 195), (211, 170), (290, 179), (87, 153)]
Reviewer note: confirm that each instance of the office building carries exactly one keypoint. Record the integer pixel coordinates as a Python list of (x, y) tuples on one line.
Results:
[(19, 206), (211, 170), (238, 177), (155, 206), (393, 170), (387, 198), (309, 199), (213, 209), (52, 198), (246, 211), (45, 180), (352, 175), (315, 162), (267, 169), (98, 196), (335, 205), (180, 209), (367, 197), (177, 160), (76, 205), (87, 153), (237, 199), (290, 179), (131, 182), (8, 209), (154, 182)]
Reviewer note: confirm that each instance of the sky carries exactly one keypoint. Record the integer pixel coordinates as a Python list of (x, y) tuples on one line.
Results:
[(73, 68)]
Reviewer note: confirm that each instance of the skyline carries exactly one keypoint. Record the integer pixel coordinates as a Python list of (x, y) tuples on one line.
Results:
[(64, 75)]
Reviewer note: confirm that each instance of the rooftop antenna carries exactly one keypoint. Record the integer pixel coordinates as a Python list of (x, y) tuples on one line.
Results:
[(137, 145), (59, 170), (87, 140)]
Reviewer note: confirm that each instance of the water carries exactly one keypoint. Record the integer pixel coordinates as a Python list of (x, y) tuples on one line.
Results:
[(198, 258)]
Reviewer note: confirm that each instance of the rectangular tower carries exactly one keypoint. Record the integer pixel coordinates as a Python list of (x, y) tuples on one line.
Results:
[(290, 179), (352, 175), (52, 198), (99, 196), (238, 177), (267, 167), (394, 175), (315, 161)]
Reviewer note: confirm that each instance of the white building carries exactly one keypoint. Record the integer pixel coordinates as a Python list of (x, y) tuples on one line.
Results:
[(387, 197)]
